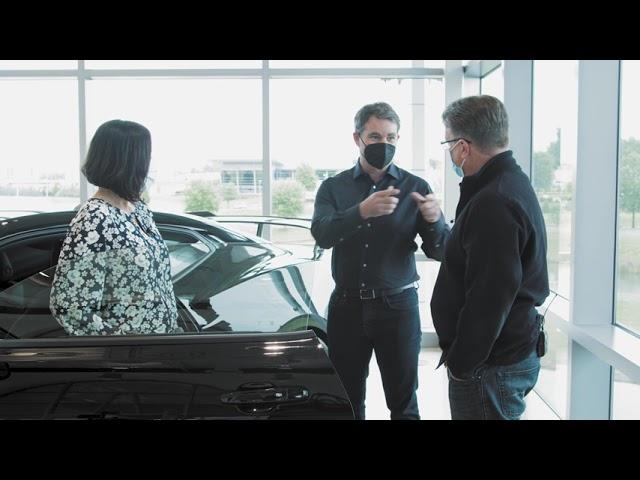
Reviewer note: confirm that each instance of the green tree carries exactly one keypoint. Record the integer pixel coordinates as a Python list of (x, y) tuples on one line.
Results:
[(554, 147), (630, 178), (229, 192), (543, 168), (306, 175), (201, 196), (545, 164), (288, 198)]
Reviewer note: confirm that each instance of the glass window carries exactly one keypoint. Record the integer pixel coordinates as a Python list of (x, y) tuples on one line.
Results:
[(312, 127), (24, 296), (553, 381), (200, 129), (555, 121), (276, 301), (430, 145), (184, 250), (552, 385), (626, 397), (298, 240), (22, 259), (628, 238), (24, 309), (493, 84), (470, 86), (250, 228), (38, 64), (293, 235), (171, 64), (352, 63), (428, 270), (39, 154)]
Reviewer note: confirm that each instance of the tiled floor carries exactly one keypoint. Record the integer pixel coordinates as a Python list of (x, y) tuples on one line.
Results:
[(433, 397)]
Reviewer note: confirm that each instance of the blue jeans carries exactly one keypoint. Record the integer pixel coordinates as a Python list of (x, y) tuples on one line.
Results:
[(494, 392), (391, 327)]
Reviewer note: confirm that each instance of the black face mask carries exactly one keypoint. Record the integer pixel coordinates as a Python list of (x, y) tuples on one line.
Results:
[(379, 155)]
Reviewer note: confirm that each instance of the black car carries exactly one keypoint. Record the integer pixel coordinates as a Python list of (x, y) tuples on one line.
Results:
[(253, 345)]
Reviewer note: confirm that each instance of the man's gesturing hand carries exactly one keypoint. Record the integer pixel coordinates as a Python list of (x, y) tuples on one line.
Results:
[(428, 206), (380, 203)]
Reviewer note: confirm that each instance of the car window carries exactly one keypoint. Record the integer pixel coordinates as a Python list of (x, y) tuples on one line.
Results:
[(24, 309), (239, 290), (224, 233), (185, 250), (220, 288), (296, 239), (25, 305), (21, 259)]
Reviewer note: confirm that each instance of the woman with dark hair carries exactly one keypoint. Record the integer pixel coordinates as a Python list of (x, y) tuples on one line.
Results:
[(113, 275)]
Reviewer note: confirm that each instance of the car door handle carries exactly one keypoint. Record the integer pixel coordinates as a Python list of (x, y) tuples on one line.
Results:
[(271, 395)]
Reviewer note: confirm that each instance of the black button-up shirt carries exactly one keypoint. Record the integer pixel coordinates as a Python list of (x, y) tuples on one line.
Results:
[(376, 252)]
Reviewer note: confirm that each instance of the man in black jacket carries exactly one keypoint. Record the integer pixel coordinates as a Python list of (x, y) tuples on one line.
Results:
[(370, 215), (494, 271)]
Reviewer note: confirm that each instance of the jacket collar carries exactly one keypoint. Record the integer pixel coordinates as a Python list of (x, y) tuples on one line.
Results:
[(472, 184)]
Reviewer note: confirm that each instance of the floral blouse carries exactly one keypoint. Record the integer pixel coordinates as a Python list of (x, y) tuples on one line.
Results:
[(113, 275)]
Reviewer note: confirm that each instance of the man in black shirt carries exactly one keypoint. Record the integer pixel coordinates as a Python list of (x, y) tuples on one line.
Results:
[(370, 216), (494, 271)]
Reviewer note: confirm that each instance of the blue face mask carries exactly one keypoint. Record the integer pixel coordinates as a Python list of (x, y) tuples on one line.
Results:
[(457, 169)]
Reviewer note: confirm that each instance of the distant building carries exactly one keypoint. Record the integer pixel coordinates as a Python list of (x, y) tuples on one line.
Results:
[(246, 175)]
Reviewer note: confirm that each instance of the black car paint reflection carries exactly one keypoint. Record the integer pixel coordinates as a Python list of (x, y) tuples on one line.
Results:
[(250, 350), (175, 380)]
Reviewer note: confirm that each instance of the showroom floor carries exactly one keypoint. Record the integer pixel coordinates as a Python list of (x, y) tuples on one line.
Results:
[(433, 394)]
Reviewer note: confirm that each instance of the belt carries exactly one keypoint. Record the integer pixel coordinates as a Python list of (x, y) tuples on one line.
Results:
[(370, 294)]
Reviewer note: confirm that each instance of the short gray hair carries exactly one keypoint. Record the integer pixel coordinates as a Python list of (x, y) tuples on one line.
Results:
[(482, 119), (379, 110)]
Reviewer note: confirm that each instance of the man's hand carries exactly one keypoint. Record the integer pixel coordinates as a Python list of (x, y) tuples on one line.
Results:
[(429, 207), (380, 203)]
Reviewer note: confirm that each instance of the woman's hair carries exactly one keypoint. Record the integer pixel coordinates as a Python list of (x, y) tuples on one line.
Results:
[(119, 157)]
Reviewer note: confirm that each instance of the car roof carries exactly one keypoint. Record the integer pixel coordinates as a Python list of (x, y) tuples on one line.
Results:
[(4, 214), (11, 226)]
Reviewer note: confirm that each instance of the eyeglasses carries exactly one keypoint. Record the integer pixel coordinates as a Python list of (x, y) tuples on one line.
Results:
[(445, 144), (378, 139)]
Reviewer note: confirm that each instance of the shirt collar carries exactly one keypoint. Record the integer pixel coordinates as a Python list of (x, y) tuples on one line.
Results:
[(393, 170)]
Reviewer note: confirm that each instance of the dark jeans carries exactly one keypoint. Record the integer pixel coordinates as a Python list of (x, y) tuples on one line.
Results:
[(494, 392), (391, 327)]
